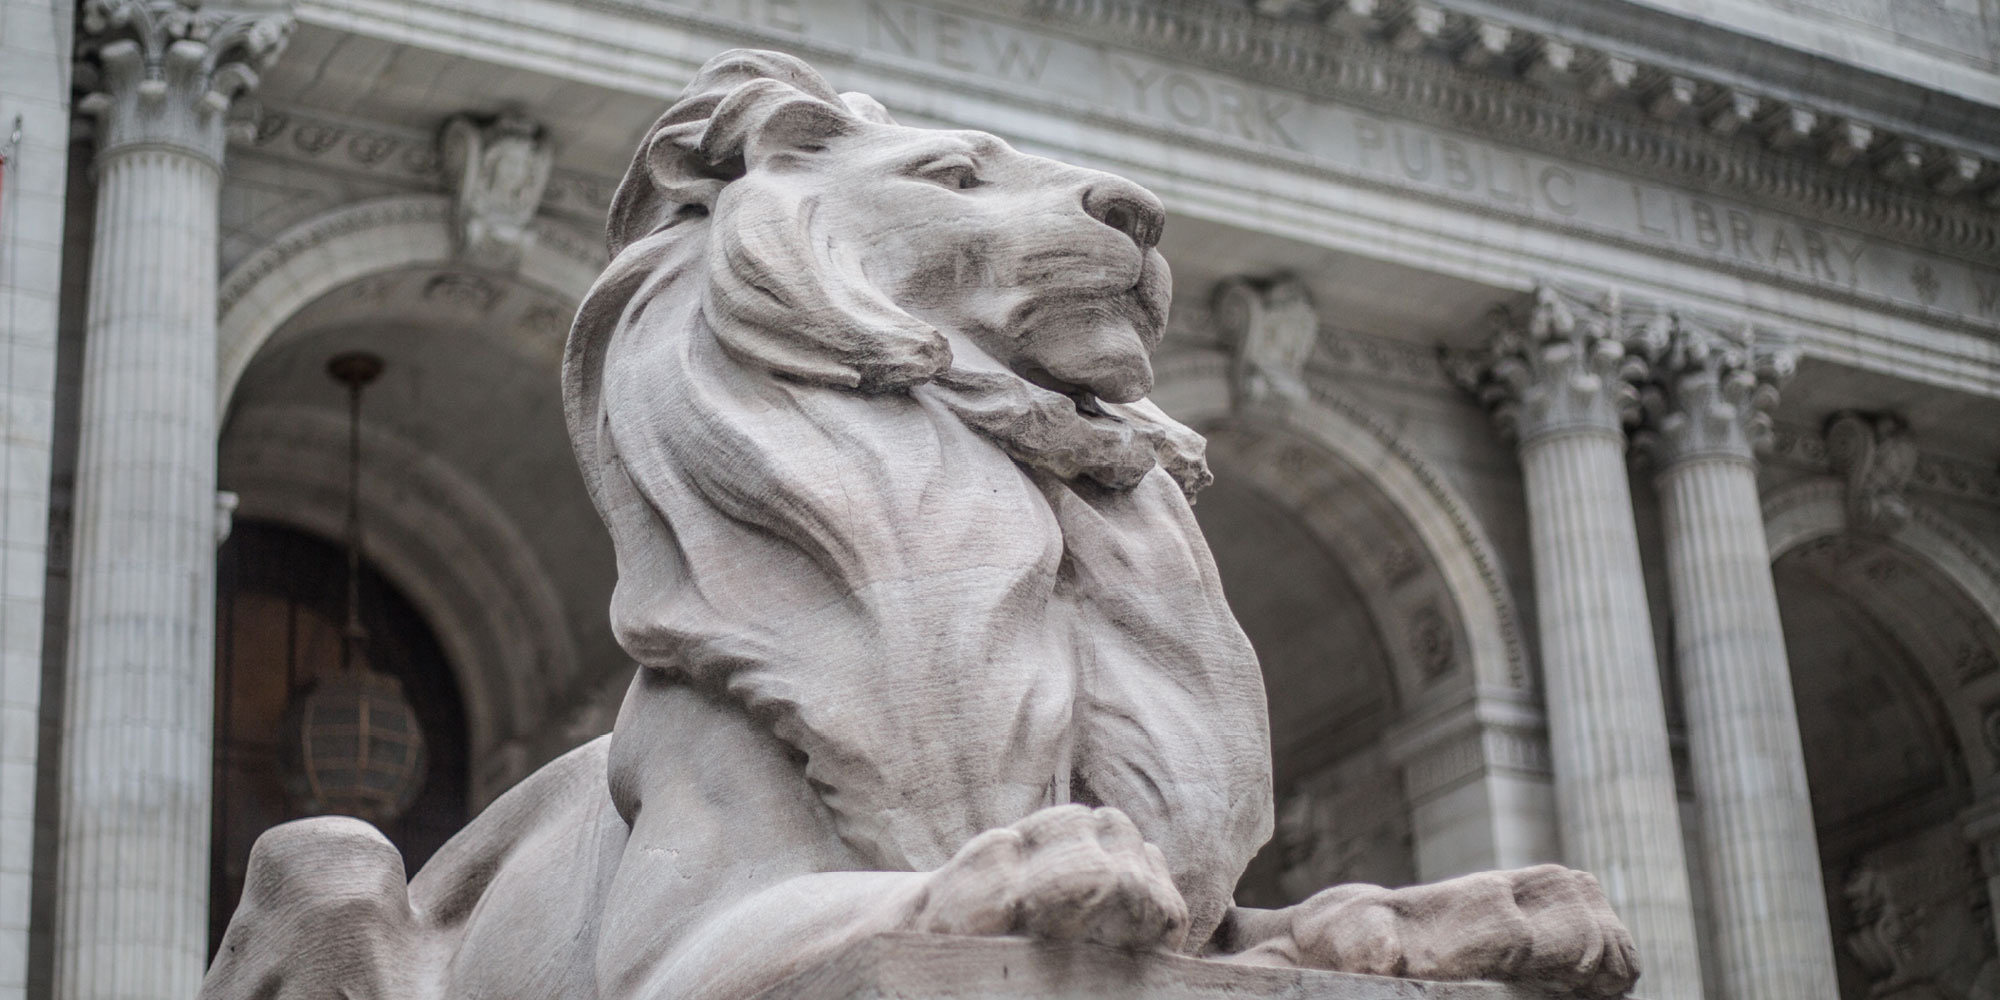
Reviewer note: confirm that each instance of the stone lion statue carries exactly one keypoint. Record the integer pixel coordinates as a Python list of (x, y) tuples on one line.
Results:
[(930, 639)]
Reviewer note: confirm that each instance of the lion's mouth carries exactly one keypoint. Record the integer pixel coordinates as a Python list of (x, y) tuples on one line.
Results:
[(1082, 398)]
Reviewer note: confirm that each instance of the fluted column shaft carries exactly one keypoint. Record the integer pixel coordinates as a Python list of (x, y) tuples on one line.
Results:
[(1560, 384), (1772, 937), (1607, 718), (133, 880), (135, 813)]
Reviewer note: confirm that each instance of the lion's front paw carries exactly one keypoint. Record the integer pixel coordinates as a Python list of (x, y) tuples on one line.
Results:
[(1548, 927), (1067, 873)]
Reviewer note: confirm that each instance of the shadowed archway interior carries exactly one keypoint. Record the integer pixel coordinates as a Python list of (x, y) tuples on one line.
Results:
[(1331, 697), (1871, 636), (279, 611)]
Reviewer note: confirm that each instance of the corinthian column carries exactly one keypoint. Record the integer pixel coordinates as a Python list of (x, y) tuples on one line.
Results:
[(132, 893), (1707, 406), (1558, 381)]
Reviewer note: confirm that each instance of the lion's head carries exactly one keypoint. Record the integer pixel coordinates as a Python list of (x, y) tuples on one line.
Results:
[(840, 248)]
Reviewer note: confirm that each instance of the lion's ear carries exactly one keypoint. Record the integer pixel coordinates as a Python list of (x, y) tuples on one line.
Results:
[(783, 299), (867, 108), (765, 117), (671, 171)]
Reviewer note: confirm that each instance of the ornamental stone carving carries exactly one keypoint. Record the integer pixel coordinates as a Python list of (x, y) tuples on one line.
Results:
[(1874, 454), (1710, 389), (1271, 329), (1556, 366), (498, 169), (164, 72), (930, 642), (1916, 933)]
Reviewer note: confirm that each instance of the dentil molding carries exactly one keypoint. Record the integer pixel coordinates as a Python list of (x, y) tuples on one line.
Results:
[(1581, 98)]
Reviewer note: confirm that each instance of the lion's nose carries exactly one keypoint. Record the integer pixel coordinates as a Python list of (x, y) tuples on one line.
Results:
[(1126, 207)]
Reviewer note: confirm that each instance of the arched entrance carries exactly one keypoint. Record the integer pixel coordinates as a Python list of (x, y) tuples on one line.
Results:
[(1328, 679), (1888, 645), (279, 612), (1407, 738)]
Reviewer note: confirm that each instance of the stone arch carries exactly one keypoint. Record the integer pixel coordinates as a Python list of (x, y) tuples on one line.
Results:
[(261, 293), (1470, 740), (1814, 510), (444, 543), (1452, 548)]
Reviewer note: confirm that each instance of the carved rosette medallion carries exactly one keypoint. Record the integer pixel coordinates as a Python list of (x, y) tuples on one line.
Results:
[(1556, 367), (1711, 389), (164, 72)]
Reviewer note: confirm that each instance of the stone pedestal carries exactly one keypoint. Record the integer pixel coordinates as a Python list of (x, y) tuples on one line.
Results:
[(937, 967), (1560, 382), (133, 886), (1754, 810)]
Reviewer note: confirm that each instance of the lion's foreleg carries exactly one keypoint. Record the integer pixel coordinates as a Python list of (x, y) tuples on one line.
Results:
[(1547, 926)]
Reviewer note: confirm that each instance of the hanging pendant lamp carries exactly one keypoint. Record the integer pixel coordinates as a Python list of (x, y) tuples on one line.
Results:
[(360, 747)]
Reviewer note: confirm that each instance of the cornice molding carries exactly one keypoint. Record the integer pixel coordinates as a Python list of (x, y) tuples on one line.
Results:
[(1422, 61)]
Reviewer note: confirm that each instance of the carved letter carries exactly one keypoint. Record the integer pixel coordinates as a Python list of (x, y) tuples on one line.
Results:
[(1457, 166), (881, 25), (1554, 178), (1707, 231)]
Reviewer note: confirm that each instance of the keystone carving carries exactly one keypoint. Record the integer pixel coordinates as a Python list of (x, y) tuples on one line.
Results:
[(1271, 329), (164, 72), (1874, 454), (498, 169)]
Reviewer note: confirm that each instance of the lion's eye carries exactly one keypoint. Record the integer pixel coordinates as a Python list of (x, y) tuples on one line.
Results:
[(957, 172)]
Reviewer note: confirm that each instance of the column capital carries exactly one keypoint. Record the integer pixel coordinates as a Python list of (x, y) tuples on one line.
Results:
[(164, 72), (1711, 387), (1556, 365)]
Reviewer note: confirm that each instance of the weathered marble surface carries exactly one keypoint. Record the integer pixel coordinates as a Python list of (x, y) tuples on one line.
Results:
[(931, 641), (941, 967)]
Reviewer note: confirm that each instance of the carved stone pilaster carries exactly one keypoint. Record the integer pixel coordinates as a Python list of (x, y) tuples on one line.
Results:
[(498, 169), (1711, 389), (1874, 454), (164, 72), (1557, 367), (1271, 329)]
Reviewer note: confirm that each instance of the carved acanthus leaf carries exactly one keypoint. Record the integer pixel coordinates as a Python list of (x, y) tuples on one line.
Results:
[(1711, 388), (166, 71), (1556, 365)]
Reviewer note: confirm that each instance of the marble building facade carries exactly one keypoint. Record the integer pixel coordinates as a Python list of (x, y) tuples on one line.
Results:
[(1602, 394)]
